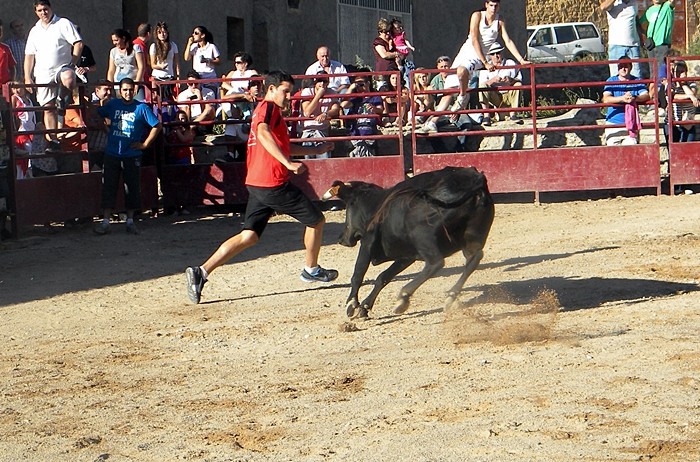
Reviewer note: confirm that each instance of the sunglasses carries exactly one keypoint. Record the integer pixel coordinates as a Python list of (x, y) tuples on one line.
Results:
[(196, 33), (239, 62), (360, 84)]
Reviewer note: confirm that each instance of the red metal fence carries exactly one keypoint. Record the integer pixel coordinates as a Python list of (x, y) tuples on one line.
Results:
[(535, 156)]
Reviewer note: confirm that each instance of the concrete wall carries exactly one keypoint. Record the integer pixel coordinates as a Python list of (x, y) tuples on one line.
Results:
[(443, 30), (96, 21), (183, 16), (276, 36), (293, 35)]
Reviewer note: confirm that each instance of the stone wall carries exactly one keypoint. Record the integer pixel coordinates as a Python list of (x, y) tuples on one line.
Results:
[(554, 11)]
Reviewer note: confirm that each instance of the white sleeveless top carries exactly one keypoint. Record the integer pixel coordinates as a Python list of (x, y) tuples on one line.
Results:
[(488, 35)]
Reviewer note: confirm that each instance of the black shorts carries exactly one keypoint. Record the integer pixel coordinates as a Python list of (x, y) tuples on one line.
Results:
[(287, 199)]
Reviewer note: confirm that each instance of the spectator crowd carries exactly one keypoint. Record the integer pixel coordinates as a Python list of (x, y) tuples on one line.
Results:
[(193, 100)]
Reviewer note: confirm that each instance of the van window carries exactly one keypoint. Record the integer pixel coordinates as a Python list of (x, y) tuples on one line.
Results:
[(542, 37), (586, 31), (565, 34)]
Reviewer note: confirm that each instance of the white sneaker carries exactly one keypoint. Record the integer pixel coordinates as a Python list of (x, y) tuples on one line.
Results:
[(82, 77), (459, 103), (428, 127)]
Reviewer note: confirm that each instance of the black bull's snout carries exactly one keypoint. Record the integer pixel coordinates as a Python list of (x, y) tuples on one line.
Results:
[(350, 235), (348, 238)]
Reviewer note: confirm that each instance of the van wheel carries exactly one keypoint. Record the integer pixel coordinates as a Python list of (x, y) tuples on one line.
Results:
[(583, 57)]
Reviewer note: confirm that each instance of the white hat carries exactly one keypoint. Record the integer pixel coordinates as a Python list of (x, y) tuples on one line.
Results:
[(495, 48)]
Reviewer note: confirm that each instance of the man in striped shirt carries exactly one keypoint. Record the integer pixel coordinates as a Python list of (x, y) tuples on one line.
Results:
[(17, 41)]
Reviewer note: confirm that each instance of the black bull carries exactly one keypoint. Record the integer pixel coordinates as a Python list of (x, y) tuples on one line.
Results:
[(428, 217)]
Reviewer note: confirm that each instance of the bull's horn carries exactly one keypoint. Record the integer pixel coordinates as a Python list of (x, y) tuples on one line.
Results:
[(331, 193)]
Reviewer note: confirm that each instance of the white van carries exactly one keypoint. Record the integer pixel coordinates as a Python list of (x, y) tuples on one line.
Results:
[(569, 41)]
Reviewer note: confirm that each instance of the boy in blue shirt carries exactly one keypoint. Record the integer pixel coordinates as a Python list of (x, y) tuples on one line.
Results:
[(133, 128)]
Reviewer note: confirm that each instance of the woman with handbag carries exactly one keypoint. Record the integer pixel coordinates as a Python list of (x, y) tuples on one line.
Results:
[(657, 20)]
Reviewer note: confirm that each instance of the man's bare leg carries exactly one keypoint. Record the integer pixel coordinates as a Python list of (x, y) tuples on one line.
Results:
[(50, 120), (230, 248), (313, 235)]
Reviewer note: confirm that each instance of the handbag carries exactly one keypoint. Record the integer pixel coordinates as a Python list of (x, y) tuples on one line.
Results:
[(649, 41), (649, 44)]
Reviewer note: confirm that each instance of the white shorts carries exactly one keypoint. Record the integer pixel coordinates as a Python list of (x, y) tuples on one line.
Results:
[(618, 136), (45, 95), (466, 60)]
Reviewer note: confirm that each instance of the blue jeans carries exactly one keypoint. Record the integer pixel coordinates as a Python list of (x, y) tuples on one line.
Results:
[(681, 134), (618, 51)]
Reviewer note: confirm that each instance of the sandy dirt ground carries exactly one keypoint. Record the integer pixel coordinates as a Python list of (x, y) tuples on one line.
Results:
[(575, 340)]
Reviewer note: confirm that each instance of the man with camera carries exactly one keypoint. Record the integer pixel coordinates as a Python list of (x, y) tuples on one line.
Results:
[(321, 109), (199, 110)]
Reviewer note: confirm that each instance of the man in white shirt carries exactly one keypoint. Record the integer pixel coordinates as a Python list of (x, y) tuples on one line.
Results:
[(326, 65), (321, 109), (201, 111), (496, 78), (623, 32), (54, 46)]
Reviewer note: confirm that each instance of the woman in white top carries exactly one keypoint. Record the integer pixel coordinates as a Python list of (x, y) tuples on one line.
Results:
[(242, 94), (164, 54), (126, 60), (165, 58), (204, 54), (235, 88)]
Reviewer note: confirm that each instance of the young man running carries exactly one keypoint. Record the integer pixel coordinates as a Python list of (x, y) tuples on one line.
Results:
[(269, 189)]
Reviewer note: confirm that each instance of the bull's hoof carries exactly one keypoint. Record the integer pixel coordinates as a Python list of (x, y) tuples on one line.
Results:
[(350, 307), (402, 305), (451, 299), (363, 312)]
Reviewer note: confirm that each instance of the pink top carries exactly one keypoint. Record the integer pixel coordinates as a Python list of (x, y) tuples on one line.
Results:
[(400, 43)]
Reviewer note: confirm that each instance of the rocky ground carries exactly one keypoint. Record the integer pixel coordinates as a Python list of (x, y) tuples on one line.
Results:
[(577, 339)]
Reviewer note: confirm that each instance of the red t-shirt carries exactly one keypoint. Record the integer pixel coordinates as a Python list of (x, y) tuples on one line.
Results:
[(383, 64), (264, 170), (6, 62), (146, 58)]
